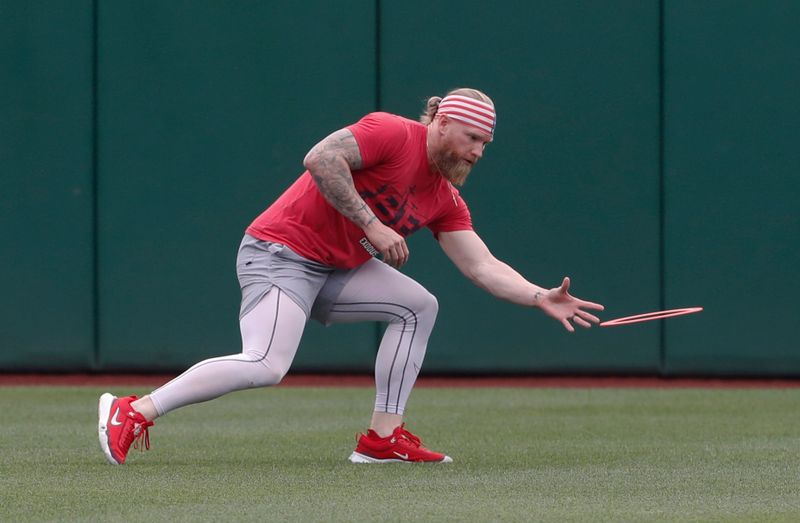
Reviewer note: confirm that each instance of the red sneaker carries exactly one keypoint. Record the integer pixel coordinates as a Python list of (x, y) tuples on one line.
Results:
[(400, 447), (119, 426)]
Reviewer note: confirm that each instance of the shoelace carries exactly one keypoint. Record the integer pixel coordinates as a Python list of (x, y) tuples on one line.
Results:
[(405, 434), (409, 436), (142, 435)]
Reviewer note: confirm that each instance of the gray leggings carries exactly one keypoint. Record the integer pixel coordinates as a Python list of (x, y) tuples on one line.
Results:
[(271, 332)]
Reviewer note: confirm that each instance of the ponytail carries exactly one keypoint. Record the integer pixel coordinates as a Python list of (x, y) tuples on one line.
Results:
[(430, 110)]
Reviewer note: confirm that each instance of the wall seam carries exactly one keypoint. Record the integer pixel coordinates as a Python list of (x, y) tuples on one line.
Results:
[(661, 190), (378, 101), (95, 363), (378, 106)]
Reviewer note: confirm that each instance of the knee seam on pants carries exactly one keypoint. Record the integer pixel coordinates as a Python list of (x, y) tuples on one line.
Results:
[(403, 317)]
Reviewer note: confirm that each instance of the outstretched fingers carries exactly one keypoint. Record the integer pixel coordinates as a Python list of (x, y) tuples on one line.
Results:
[(572, 307), (587, 316), (582, 318), (590, 305)]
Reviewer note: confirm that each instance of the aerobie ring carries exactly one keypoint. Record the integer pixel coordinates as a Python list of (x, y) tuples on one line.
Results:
[(648, 316)]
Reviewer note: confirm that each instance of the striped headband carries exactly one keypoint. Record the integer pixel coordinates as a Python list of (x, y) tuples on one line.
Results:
[(469, 111)]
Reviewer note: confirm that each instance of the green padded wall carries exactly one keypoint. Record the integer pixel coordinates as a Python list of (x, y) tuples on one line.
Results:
[(732, 186), (206, 111), (46, 249), (570, 185), (632, 135)]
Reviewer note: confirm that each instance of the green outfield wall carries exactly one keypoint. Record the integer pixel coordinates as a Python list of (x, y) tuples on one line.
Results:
[(46, 186), (646, 149)]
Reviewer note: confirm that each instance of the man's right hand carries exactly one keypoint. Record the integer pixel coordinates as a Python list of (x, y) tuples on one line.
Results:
[(391, 245)]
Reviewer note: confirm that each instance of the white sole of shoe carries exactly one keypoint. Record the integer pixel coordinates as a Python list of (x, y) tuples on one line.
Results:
[(357, 457), (103, 412)]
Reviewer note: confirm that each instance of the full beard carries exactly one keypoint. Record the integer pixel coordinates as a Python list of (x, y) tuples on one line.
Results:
[(452, 168)]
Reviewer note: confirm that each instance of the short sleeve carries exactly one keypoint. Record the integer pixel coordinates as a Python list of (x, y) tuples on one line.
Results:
[(455, 217), (380, 137)]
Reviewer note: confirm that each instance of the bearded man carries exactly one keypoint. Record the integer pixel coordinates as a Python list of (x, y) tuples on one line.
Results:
[(330, 247)]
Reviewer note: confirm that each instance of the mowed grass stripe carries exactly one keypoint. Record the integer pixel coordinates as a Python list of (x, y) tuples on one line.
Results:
[(520, 455)]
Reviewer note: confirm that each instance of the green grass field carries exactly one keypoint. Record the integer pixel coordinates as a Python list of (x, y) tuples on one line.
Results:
[(520, 455)]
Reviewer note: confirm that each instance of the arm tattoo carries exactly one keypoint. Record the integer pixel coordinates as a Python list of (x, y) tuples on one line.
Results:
[(330, 163)]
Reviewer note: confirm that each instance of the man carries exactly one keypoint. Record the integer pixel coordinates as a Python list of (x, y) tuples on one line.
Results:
[(314, 253)]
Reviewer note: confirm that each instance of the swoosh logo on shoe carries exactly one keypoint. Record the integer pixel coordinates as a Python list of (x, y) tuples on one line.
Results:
[(401, 456), (114, 420)]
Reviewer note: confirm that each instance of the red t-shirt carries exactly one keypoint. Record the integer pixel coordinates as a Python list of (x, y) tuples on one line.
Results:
[(395, 181)]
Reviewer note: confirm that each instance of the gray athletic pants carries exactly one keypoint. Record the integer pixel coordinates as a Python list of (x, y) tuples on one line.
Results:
[(280, 291)]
